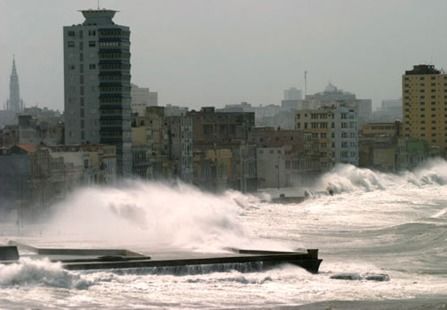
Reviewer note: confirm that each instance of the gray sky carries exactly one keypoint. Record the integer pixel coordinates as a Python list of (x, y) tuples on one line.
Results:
[(217, 52)]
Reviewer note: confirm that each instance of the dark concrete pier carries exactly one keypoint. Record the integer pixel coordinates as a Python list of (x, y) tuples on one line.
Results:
[(239, 259)]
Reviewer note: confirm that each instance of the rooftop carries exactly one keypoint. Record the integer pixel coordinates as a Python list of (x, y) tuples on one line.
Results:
[(98, 17), (422, 69)]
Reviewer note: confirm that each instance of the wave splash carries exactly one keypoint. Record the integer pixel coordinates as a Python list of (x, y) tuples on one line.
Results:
[(348, 178), (29, 272)]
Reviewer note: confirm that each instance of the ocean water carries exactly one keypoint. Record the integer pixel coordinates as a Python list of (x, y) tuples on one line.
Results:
[(374, 223)]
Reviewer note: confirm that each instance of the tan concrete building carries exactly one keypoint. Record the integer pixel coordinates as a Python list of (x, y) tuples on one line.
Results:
[(424, 92), (162, 145), (284, 157), (213, 130)]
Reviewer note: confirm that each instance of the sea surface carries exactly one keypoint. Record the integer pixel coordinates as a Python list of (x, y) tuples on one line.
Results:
[(373, 223)]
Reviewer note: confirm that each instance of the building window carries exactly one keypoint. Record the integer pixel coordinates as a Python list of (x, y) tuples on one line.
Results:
[(70, 44), (91, 43), (92, 66), (71, 33)]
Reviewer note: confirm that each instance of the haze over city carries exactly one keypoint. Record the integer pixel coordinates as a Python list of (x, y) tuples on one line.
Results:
[(232, 154), (198, 53)]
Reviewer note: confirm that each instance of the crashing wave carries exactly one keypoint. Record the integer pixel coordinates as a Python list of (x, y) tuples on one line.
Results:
[(29, 272)]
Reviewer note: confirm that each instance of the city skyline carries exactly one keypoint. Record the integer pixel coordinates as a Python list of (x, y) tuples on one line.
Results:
[(195, 59)]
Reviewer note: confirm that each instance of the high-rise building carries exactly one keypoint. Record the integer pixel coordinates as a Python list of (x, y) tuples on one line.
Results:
[(389, 111), (14, 104), (97, 84), (424, 91), (293, 94), (332, 95)]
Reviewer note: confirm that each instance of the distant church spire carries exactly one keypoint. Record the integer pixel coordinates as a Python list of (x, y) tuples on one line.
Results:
[(14, 104)]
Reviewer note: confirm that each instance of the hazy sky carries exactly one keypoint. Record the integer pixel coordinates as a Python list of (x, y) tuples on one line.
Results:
[(217, 52)]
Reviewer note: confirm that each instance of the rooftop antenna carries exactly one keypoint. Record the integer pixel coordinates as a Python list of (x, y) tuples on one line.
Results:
[(98, 4), (305, 84)]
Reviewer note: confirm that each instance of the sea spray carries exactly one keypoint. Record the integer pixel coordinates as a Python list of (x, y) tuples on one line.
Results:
[(154, 215)]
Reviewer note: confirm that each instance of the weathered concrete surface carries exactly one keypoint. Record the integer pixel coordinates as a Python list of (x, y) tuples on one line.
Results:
[(436, 303)]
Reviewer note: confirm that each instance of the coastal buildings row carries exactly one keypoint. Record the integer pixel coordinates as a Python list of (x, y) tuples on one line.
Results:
[(35, 176), (240, 146)]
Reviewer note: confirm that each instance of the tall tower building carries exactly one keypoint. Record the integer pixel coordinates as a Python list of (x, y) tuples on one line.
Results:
[(14, 104), (97, 84), (424, 93), (293, 94)]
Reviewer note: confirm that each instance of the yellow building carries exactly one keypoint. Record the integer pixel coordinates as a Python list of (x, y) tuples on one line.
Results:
[(424, 93)]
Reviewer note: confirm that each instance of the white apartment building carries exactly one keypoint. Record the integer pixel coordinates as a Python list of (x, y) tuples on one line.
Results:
[(336, 127)]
